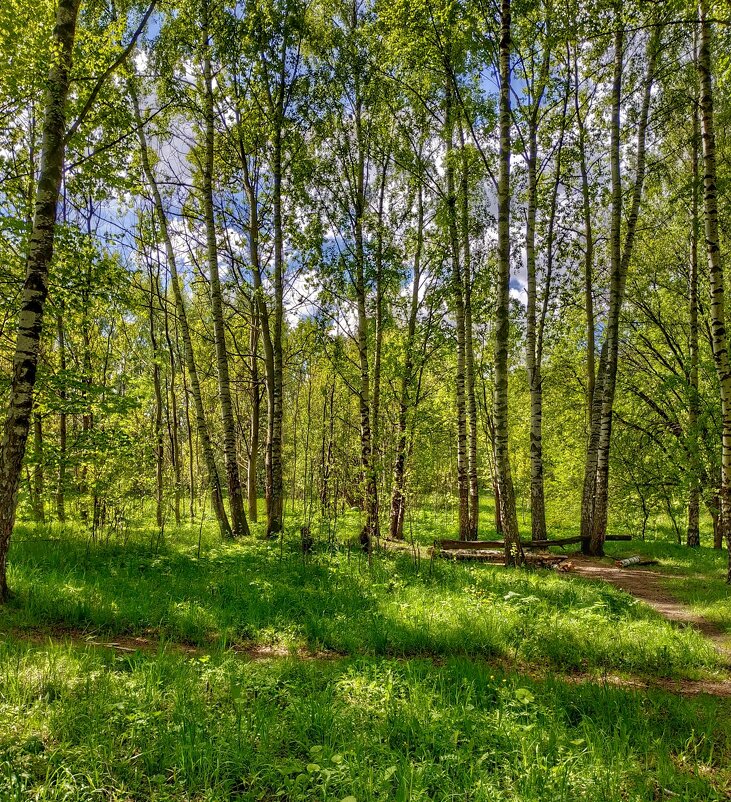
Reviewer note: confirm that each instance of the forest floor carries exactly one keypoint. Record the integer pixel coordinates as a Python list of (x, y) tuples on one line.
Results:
[(187, 671)]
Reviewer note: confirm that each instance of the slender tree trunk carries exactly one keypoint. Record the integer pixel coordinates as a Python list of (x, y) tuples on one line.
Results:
[(615, 301), (255, 419), (191, 451), (693, 537), (263, 323), (174, 424), (620, 259), (61, 476), (593, 375), (459, 311), (35, 289), (276, 501), (715, 269), (87, 416), (370, 487), (239, 524), (328, 421), (508, 514), (195, 388), (469, 350), (264, 328), (588, 250), (537, 500), (378, 344), (157, 431), (714, 507), (38, 472), (398, 496)]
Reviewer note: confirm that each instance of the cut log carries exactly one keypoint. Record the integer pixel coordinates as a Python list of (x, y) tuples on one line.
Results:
[(636, 560), (479, 555), (493, 556), (479, 545), (546, 544), (545, 560)]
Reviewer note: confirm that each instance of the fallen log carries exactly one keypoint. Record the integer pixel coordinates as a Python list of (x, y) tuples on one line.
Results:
[(492, 556), (545, 560), (479, 555), (478, 545), (473, 545), (545, 544), (636, 560)]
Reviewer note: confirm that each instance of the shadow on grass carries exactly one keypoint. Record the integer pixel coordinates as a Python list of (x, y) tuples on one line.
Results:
[(77, 725), (263, 592)]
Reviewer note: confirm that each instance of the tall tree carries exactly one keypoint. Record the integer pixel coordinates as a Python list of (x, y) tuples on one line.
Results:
[(595, 502), (715, 265), (35, 288), (508, 513), (204, 436), (239, 524), (693, 537)]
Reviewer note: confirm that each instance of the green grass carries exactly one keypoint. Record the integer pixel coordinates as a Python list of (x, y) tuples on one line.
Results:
[(447, 682), (87, 725), (263, 593)]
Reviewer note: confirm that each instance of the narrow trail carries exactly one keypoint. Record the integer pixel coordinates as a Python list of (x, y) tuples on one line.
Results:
[(647, 585), (151, 646)]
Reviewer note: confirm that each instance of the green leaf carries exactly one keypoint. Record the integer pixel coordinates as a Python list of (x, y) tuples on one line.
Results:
[(524, 696)]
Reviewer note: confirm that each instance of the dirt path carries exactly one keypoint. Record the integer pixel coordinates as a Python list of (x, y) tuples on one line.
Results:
[(76, 638), (646, 584)]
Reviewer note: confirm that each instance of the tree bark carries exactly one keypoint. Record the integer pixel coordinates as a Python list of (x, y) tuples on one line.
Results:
[(588, 250), (459, 311), (35, 288), (537, 499), (255, 419), (370, 486), (469, 350), (62, 423), (38, 471), (693, 538), (173, 414), (595, 500), (264, 327), (715, 269), (398, 496), (239, 524), (276, 501), (508, 514), (157, 425)]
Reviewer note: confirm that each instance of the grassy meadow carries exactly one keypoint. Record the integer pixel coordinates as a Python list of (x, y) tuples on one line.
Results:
[(263, 675)]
